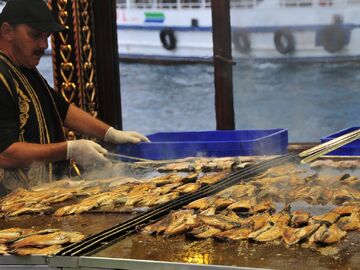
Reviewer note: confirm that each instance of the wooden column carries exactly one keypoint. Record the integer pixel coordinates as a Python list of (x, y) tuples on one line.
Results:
[(107, 62), (224, 104)]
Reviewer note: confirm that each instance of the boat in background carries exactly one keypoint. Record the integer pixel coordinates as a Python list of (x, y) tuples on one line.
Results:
[(262, 30), (265, 30)]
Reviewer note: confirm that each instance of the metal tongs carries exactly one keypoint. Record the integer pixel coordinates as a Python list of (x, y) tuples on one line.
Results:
[(116, 158), (322, 149)]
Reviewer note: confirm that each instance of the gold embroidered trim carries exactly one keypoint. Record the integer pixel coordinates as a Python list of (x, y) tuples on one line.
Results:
[(24, 100), (24, 107)]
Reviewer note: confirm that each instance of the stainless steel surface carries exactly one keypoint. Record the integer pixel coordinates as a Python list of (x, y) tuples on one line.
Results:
[(148, 252), (242, 254), (130, 264), (8, 260), (87, 224)]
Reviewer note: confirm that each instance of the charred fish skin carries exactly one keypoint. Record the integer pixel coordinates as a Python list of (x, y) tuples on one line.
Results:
[(293, 236), (56, 238), (327, 218), (299, 218), (201, 204), (157, 227), (234, 234), (49, 250), (204, 231), (219, 221), (350, 223), (181, 221), (330, 235)]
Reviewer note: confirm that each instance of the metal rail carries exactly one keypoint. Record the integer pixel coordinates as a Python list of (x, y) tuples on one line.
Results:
[(98, 241)]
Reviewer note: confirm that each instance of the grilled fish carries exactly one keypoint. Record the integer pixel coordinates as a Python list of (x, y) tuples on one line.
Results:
[(178, 167), (31, 210), (167, 197), (327, 218), (56, 238), (233, 217), (191, 178), (256, 222), (329, 235), (221, 203), (59, 198), (188, 188), (299, 218), (164, 180), (219, 221), (267, 206), (341, 195), (293, 236), (263, 229), (3, 249), (201, 204), (275, 227), (166, 188), (157, 227), (49, 250), (9, 234), (240, 191), (204, 231), (234, 234), (210, 179), (181, 221), (345, 210), (75, 236), (242, 206), (350, 223), (273, 233), (209, 212)]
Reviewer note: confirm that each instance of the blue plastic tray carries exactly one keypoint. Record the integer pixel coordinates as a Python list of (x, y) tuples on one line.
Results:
[(172, 145), (351, 149)]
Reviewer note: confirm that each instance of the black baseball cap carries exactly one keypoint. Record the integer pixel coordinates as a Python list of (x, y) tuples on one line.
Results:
[(34, 13)]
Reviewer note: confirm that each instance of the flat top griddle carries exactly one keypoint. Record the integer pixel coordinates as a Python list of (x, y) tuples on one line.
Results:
[(86, 224), (241, 253), (209, 251)]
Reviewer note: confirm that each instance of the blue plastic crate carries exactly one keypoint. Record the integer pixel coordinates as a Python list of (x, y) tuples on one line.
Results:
[(351, 149), (172, 145)]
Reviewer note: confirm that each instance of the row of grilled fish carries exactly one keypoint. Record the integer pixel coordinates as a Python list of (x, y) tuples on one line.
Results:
[(138, 197), (130, 196), (261, 225), (286, 183), (30, 242), (289, 183), (208, 164)]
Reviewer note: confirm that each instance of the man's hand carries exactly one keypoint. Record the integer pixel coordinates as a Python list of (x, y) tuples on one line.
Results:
[(86, 153), (117, 136)]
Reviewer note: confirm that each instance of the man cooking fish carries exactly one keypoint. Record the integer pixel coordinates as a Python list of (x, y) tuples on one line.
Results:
[(32, 114)]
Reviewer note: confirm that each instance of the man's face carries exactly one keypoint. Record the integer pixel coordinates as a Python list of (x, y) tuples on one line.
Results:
[(28, 45)]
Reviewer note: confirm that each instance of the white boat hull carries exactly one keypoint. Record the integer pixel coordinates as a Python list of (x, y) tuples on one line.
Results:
[(139, 38)]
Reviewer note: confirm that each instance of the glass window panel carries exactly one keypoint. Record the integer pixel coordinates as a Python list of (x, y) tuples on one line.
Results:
[(296, 66), (171, 97)]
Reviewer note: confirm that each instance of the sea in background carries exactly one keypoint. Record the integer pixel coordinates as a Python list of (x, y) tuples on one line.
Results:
[(309, 100)]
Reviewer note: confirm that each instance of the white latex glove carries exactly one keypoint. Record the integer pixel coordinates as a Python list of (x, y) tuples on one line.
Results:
[(86, 152), (117, 136)]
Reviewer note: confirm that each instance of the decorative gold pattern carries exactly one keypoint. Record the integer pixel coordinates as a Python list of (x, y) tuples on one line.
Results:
[(73, 55), (24, 107), (28, 96), (87, 65)]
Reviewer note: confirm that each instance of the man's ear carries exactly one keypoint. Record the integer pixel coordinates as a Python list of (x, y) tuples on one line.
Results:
[(6, 31)]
